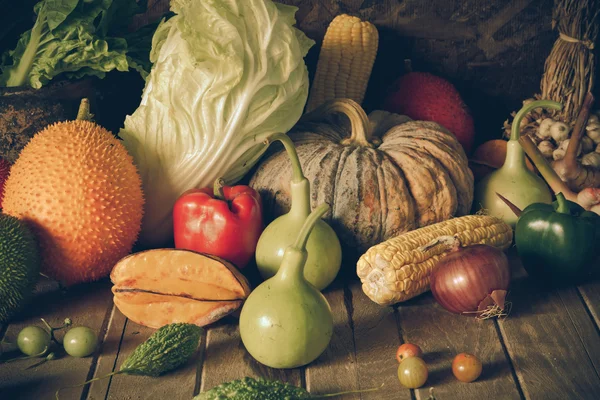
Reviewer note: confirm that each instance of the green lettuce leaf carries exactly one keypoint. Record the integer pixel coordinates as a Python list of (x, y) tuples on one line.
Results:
[(78, 38), (227, 74)]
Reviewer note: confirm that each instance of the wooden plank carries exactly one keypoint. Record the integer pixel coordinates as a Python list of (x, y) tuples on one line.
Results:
[(108, 354), (376, 340), (442, 335), (86, 305), (336, 369), (542, 336), (590, 292), (177, 384), (226, 359)]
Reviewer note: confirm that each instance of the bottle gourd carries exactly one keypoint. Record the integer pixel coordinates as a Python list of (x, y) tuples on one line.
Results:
[(513, 180), (323, 246), (286, 322)]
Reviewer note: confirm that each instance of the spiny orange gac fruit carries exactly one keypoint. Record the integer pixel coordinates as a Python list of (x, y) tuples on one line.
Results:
[(4, 172), (76, 186), (425, 97)]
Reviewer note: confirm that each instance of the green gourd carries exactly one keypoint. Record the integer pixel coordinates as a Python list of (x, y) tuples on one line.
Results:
[(286, 322), (513, 180), (324, 249)]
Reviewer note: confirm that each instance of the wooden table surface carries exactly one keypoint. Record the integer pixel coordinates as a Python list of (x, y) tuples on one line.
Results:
[(547, 348)]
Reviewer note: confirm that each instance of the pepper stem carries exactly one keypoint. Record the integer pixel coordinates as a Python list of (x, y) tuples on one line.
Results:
[(297, 174), (309, 224), (218, 189), (84, 111), (563, 207)]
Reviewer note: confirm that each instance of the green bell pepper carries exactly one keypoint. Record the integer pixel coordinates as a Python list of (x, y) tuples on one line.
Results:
[(558, 243)]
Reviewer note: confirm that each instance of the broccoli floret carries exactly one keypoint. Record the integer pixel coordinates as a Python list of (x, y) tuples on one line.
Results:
[(254, 389)]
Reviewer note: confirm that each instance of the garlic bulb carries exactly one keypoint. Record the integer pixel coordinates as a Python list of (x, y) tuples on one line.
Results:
[(592, 159), (546, 148), (587, 144), (558, 154), (564, 145), (593, 119), (559, 131), (544, 128), (593, 131)]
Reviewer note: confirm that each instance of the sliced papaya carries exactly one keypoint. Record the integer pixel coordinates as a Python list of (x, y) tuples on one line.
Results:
[(162, 286)]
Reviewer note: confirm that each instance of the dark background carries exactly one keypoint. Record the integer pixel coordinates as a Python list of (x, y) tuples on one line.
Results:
[(492, 50)]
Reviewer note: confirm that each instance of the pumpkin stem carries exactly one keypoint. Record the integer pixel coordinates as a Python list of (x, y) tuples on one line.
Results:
[(361, 130)]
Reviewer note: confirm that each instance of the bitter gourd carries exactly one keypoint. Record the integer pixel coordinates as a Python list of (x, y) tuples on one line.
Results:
[(262, 389)]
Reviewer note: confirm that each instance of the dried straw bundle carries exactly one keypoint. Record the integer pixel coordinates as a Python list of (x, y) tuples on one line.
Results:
[(570, 67)]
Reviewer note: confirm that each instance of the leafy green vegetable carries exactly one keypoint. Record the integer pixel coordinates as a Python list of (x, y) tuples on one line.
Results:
[(227, 74), (168, 348), (78, 38), (262, 389)]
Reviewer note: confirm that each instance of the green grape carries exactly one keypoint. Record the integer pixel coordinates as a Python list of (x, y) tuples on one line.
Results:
[(33, 340), (80, 341)]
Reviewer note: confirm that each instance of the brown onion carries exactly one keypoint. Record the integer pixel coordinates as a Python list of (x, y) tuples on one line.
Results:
[(472, 280)]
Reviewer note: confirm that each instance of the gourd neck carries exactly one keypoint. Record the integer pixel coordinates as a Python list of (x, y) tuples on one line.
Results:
[(294, 258), (515, 155), (300, 195), (361, 130), (299, 185), (297, 174)]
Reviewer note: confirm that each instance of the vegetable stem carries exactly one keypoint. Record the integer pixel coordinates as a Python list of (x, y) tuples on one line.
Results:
[(348, 392), (547, 172), (84, 111), (516, 125), (361, 130), (563, 208), (86, 382), (218, 189), (309, 224), (297, 174), (18, 77)]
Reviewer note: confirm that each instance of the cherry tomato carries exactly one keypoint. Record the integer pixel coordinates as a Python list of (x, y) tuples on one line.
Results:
[(408, 350), (466, 367), (80, 341), (33, 340), (412, 372)]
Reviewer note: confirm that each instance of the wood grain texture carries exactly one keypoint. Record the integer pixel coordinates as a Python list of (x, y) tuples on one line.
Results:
[(336, 369), (542, 336), (442, 335), (376, 340), (108, 354), (226, 359), (86, 305), (590, 293)]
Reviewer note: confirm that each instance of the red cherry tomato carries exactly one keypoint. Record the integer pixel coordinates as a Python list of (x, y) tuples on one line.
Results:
[(412, 372), (408, 350), (466, 367)]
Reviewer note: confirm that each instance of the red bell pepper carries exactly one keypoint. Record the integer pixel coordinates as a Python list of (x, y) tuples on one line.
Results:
[(225, 221)]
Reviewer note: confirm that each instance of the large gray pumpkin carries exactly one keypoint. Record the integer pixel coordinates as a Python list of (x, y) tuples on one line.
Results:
[(382, 175)]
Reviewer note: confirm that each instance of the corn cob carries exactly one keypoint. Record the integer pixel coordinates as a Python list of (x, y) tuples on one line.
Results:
[(345, 62), (399, 268)]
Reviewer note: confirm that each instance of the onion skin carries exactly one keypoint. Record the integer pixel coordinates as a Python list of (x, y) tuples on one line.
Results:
[(466, 279)]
